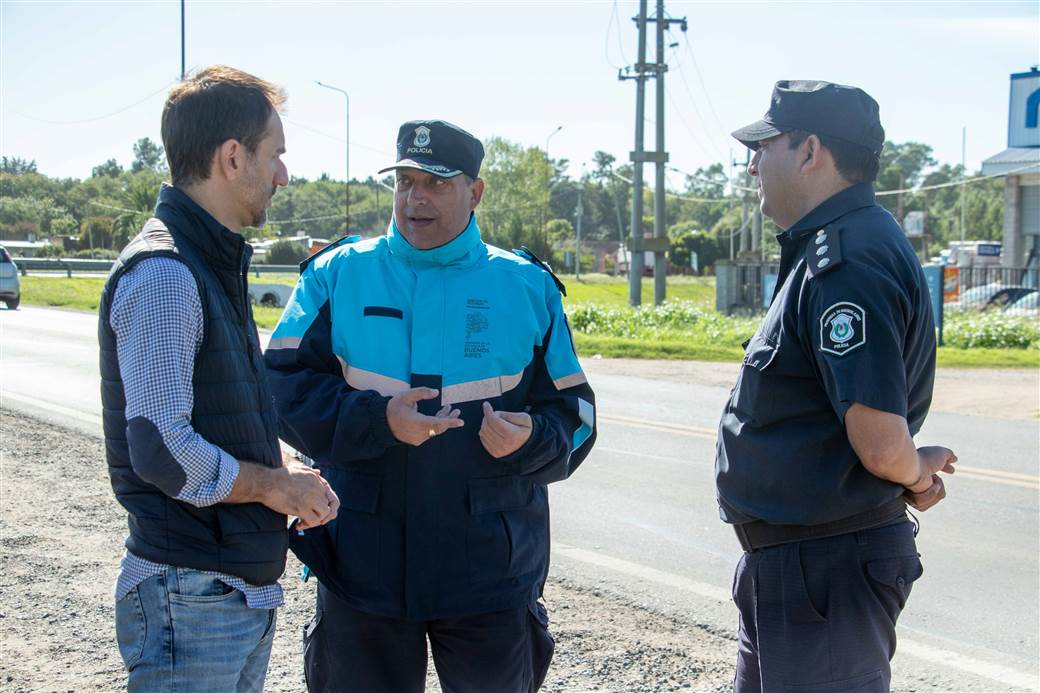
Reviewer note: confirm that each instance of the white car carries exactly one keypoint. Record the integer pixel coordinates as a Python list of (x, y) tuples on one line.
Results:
[(10, 288)]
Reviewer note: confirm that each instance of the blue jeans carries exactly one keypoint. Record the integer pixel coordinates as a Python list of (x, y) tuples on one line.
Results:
[(185, 630)]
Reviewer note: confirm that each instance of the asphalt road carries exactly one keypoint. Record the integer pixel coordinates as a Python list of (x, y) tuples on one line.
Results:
[(639, 521)]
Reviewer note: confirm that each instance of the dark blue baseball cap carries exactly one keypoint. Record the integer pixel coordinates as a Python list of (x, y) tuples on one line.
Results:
[(822, 108), (437, 147)]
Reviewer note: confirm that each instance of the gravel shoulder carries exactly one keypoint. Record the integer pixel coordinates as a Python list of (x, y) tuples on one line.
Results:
[(61, 537)]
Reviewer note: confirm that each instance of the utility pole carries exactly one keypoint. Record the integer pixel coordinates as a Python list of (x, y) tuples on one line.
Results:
[(660, 232), (659, 244), (577, 243), (182, 40), (964, 174), (756, 231), (548, 194), (635, 246), (744, 185)]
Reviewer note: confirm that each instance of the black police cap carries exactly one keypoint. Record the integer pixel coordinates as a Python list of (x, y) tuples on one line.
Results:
[(438, 147), (822, 108)]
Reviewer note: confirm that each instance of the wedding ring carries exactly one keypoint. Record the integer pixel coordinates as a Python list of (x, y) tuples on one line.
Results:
[(431, 433)]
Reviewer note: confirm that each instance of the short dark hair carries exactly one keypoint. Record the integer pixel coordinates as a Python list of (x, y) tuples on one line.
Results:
[(855, 163), (214, 105)]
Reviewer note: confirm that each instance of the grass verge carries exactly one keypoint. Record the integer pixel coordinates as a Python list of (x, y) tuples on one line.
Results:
[(83, 293)]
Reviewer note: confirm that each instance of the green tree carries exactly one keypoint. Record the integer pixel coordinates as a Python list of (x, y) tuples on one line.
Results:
[(685, 239), (514, 196), (16, 166), (148, 156), (110, 168), (903, 166)]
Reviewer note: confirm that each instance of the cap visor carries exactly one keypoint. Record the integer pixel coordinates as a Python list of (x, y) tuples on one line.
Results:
[(430, 167), (751, 135)]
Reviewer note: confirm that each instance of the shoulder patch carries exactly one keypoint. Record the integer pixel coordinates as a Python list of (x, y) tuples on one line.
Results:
[(843, 327), (335, 244), (526, 254), (823, 251)]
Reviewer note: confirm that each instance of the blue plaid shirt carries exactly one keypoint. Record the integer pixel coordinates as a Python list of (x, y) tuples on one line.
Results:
[(156, 315)]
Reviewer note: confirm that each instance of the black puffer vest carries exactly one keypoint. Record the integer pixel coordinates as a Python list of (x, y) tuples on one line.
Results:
[(233, 407)]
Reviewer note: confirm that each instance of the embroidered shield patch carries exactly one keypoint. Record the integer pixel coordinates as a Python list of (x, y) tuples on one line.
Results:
[(843, 327)]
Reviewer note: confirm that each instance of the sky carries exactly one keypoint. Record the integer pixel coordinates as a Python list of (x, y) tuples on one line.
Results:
[(80, 82)]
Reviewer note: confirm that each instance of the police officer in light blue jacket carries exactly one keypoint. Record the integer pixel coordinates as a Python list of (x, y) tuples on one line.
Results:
[(434, 381)]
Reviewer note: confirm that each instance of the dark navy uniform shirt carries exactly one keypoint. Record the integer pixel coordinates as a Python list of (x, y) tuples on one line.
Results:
[(850, 321)]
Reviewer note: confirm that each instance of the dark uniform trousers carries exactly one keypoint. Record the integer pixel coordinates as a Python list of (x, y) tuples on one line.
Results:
[(819, 616), (346, 650)]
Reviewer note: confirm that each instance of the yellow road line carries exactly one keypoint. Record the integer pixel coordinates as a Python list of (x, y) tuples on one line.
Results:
[(995, 476), (694, 431)]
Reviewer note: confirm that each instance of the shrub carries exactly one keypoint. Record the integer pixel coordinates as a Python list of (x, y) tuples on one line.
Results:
[(671, 319), (285, 252), (969, 329)]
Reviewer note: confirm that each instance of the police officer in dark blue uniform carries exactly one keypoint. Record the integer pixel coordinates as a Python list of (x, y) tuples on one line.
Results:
[(816, 460)]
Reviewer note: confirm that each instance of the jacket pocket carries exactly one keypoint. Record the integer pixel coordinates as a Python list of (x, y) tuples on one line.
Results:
[(505, 528), (355, 532)]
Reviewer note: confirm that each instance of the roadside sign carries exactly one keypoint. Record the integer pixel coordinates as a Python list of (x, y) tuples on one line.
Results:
[(768, 287), (951, 284), (913, 224), (933, 275)]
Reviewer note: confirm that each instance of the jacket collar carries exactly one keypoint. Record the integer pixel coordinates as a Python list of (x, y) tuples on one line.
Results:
[(220, 246), (838, 205), (453, 252)]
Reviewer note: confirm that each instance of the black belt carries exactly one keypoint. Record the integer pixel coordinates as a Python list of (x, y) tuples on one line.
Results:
[(759, 535)]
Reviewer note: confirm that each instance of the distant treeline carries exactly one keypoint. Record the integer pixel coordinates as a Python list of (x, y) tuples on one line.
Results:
[(529, 200)]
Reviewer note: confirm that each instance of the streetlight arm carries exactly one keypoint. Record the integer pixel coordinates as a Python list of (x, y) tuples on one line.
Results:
[(346, 144)]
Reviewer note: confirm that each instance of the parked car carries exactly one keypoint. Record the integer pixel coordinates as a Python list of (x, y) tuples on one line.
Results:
[(1006, 296), (977, 296), (10, 288), (1026, 305)]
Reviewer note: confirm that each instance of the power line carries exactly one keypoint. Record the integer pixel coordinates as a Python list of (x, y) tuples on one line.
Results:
[(118, 209), (696, 138), (700, 116), (606, 38), (704, 87), (316, 131), (101, 117), (956, 182), (617, 26), (682, 196), (306, 220)]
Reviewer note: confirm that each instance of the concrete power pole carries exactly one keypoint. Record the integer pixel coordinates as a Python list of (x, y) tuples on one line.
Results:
[(635, 243), (577, 239), (659, 244), (182, 40), (745, 183)]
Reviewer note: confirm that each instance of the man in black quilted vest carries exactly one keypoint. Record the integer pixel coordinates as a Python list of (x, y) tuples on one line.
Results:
[(190, 429)]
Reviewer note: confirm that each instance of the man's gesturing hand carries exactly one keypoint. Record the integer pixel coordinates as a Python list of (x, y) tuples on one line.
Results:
[(413, 428), (929, 489), (504, 432)]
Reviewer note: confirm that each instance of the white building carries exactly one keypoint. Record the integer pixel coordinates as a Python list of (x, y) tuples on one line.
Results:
[(1020, 166)]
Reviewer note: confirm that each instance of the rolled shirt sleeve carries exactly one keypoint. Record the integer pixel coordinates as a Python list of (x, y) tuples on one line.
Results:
[(157, 319), (856, 327)]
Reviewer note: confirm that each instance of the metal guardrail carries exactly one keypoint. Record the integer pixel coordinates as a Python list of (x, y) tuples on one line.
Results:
[(27, 264)]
